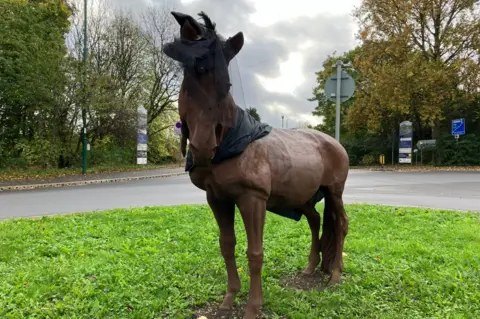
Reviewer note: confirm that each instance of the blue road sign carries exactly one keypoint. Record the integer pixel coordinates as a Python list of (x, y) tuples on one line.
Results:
[(141, 138), (458, 127)]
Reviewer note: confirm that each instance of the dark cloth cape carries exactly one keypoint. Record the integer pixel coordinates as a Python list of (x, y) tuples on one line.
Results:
[(245, 131)]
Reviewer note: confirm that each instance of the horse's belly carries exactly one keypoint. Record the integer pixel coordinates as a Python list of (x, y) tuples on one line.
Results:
[(296, 172), (294, 188)]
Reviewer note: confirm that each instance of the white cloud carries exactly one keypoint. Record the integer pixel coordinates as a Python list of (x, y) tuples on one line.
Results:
[(285, 44), (291, 76), (269, 12)]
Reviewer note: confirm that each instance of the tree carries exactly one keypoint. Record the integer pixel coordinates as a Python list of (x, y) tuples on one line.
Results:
[(164, 78), (253, 113), (325, 108), (32, 78), (127, 68), (415, 57)]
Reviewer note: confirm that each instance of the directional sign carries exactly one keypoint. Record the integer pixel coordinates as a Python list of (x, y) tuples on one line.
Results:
[(458, 127), (142, 135), (405, 145), (141, 138), (426, 144), (347, 87)]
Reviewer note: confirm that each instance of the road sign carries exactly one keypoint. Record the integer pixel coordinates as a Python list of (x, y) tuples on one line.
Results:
[(458, 127), (426, 144), (339, 88), (141, 138), (382, 159), (347, 87), (141, 135), (177, 129), (405, 145)]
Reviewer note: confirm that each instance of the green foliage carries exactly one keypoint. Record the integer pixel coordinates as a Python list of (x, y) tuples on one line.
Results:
[(253, 113), (32, 74), (107, 152), (163, 262), (465, 151), (327, 109), (42, 91), (414, 63)]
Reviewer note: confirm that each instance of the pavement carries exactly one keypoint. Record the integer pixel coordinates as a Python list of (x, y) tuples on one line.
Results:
[(442, 190)]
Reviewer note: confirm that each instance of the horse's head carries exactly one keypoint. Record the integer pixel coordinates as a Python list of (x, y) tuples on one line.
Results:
[(206, 108)]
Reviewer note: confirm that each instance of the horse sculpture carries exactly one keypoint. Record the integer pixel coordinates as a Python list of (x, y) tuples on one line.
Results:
[(240, 161)]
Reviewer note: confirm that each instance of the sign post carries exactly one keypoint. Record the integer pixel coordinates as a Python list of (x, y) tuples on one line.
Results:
[(177, 129), (458, 128), (141, 136), (339, 88), (405, 145), (382, 159)]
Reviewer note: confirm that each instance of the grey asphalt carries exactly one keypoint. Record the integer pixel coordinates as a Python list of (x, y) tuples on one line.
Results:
[(444, 190)]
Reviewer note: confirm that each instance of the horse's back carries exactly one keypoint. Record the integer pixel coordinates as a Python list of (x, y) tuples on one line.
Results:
[(299, 162), (305, 149)]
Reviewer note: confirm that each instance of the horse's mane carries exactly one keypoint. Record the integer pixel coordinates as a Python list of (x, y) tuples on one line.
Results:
[(207, 21)]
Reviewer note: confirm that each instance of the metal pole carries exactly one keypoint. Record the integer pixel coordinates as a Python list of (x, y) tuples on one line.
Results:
[(338, 100), (84, 111), (393, 148)]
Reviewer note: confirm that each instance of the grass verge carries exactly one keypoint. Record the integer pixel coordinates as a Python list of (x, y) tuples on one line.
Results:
[(34, 173), (164, 262)]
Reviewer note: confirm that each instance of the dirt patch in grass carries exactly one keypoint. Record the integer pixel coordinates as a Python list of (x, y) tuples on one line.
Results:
[(316, 281), (212, 311)]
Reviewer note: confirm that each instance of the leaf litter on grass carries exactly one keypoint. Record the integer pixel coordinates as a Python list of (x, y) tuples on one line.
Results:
[(165, 262)]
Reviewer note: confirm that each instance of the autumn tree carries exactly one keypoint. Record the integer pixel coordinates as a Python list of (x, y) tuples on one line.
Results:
[(416, 53), (325, 108)]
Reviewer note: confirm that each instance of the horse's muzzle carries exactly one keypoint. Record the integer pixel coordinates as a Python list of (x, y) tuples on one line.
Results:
[(202, 158)]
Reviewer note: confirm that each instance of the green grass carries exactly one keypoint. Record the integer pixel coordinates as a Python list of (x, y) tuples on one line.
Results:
[(162, 262)]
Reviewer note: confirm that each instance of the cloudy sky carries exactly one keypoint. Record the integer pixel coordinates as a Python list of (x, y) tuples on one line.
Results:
[(285, 44)]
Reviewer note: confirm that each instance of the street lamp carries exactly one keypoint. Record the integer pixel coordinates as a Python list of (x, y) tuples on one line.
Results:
[(84, 111)]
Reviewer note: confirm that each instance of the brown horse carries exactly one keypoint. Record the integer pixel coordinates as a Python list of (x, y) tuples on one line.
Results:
[(239, 161)]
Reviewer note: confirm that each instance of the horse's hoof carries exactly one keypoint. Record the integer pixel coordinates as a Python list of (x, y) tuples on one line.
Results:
[(228, 301), (250, 314), (308, 272), (251, 311), (335, 279)]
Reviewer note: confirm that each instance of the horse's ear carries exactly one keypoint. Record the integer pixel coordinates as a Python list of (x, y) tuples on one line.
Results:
[(234, 45), (188, 31)]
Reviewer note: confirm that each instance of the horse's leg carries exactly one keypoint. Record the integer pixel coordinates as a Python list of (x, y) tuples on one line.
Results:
[(253, 210), (313, 219), (224, 212), (335, 229)]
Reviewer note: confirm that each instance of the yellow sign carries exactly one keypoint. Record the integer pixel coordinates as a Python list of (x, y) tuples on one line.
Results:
[(382, 159)]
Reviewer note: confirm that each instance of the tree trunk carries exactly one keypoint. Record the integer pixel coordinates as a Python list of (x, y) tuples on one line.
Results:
[(436, 130)]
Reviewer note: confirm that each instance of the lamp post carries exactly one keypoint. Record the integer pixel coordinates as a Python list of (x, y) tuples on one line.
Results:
[(84, 111)]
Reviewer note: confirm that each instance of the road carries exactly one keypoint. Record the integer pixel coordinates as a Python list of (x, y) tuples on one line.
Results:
[(445, 190)]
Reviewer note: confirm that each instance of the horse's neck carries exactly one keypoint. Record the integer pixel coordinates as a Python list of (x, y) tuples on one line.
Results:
[(230, 109)]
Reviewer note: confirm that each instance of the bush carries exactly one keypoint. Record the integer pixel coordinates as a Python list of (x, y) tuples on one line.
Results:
[(464, 152)]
